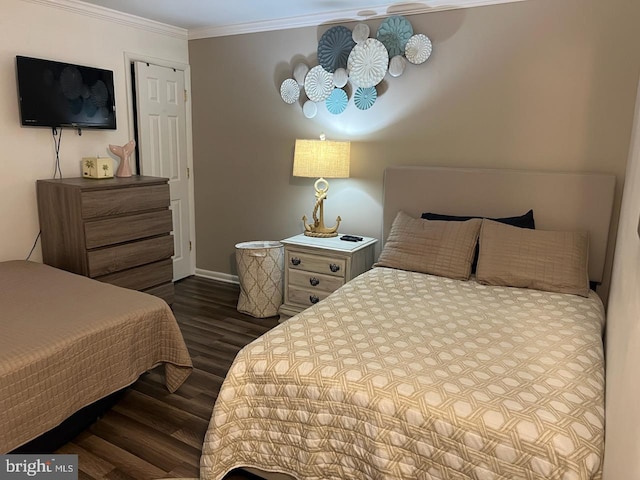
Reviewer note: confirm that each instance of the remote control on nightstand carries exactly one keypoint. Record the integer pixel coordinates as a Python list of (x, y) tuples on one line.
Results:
[(351, 238)]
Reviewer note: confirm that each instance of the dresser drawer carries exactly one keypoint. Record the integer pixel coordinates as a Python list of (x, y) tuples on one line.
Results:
[(101, 203), (99, 233), (141, 278), (316, 263), (305, 297), (314, 281), (113, 259)]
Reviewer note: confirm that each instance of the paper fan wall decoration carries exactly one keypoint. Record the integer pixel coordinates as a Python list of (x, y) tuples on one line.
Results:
[(368, 63), (354, 62), (364, 98), (318, 84), (394, 32), (334, 48)]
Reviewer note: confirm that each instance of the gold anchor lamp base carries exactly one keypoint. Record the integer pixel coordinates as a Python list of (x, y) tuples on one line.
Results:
[(321, 159), (317, 228)]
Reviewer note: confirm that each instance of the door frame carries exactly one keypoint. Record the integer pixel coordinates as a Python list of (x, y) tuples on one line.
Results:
[(129, 59)]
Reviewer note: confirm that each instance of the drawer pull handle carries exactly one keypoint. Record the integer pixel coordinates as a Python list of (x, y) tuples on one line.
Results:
[(296, 261), (314, 299), (334, 268), (314, 281)]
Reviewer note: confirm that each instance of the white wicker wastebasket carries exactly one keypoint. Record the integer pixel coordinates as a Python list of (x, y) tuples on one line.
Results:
[(260, 271)]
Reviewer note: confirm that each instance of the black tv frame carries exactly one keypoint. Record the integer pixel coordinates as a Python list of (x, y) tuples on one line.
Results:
[(57, 94)]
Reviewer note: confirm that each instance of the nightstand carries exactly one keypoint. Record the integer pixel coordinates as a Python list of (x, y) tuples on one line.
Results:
[(316, 267)]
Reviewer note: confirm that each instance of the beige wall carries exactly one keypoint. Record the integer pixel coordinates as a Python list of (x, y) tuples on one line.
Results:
[(623, 331), (37, 30), (542, 84)]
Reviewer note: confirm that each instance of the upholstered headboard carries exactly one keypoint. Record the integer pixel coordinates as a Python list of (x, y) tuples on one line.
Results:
[(560, 201)]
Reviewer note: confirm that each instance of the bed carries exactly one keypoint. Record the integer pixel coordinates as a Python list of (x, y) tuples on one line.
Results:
[(403, 374), (68, 341)]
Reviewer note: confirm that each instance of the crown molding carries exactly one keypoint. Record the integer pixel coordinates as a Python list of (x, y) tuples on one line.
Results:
[(313, 20), (113, 16), (340, 16)]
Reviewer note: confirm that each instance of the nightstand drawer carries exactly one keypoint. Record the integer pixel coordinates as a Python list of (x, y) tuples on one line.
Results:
[(305, 297), (111, 231), (316, 263), (314, 281)]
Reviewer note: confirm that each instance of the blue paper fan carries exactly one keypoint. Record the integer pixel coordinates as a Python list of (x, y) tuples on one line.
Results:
[(334, 48), (337, 101), (364, 98), (394, 32)]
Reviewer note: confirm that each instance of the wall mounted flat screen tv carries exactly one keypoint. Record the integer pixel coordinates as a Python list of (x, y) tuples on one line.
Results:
[(56, 94)]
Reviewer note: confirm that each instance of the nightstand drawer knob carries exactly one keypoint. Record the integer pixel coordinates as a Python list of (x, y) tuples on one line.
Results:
[(313, 299), (314, 281), (295, 261), (334, 268)]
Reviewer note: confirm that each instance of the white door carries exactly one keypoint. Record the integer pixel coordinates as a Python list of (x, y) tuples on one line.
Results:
[(162, 137)]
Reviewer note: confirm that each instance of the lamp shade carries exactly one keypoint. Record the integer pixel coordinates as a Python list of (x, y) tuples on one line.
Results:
[(321, 158)]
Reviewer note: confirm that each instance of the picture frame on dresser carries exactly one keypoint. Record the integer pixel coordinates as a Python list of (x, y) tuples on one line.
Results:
[(115, 230), (316, 267)]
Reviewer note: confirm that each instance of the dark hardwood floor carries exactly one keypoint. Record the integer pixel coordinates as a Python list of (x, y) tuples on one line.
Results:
[(151, 433)]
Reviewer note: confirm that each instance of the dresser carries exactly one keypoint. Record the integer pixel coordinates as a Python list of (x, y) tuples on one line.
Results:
[(115, 230), (316, 267)]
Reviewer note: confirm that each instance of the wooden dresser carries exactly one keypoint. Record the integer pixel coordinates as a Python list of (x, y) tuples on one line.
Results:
[(115, 230)]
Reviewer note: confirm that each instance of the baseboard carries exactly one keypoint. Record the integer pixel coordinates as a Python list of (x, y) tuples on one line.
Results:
[(221, 277)]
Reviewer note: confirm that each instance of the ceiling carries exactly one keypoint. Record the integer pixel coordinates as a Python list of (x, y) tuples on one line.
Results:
[(202, 18), (192, 14)]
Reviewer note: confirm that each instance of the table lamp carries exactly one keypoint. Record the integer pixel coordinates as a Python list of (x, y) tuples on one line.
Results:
[(319, 159)]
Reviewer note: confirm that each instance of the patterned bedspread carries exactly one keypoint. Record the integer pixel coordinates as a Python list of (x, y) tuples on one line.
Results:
[(402, 375)]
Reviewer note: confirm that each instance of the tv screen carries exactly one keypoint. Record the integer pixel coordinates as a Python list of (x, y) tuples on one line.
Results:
[(56, 94)]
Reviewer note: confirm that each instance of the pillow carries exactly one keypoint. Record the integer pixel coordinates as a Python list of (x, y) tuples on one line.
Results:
[(436, 247), (523, 221), (541, 259)]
